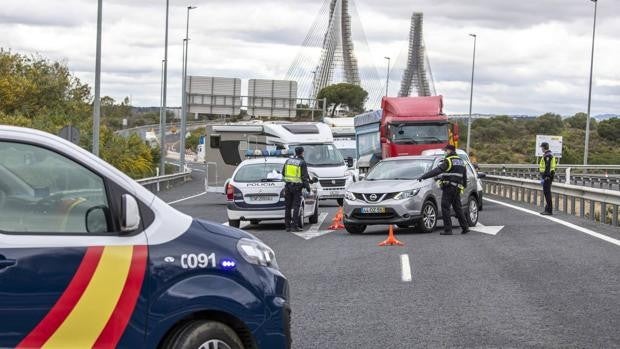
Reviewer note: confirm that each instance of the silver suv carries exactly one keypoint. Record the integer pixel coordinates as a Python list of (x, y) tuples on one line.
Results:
[(390, 194)]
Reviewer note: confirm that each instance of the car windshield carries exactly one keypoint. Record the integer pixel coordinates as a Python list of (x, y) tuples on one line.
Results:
[(317, 155), (348, 152), (418, 134), (267, 172), (399, 170)]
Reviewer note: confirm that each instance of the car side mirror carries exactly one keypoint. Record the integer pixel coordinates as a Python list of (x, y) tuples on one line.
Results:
[(361, 176), (349, 162), (97, 219), (482, 175), (130, 214), (383, 140), (314, 180)]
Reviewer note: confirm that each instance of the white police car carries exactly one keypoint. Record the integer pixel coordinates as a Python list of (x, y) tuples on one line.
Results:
[(255, 192)]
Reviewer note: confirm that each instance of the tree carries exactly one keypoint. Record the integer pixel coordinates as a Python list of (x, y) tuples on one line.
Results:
[(548, 124), (610, 130), (352, 96), (579, 120)]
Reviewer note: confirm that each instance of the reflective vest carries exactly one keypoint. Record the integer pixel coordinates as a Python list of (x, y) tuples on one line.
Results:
[(455, 174), (292, 171), (553, 163)]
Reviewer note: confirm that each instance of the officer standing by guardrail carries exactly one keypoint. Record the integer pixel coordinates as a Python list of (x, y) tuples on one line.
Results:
[(295, 173), (547, 166), (453, 179)]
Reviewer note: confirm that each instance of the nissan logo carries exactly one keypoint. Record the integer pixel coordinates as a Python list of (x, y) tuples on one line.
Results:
[(373, 197)]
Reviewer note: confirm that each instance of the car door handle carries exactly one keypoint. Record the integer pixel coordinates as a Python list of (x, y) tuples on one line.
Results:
[(5, 263)]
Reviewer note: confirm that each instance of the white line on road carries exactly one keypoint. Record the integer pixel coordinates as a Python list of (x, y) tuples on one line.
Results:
[(313, 231), (559, 221), (490, 230), (187, 198), (405, 268)]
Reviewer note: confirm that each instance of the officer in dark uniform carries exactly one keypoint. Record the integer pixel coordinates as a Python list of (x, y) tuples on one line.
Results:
[(453, 179), (295, 173), (547, 167)]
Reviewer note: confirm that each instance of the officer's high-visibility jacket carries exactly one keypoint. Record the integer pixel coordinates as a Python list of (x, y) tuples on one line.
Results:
[(547, 165), (296, 171), (451, 171)]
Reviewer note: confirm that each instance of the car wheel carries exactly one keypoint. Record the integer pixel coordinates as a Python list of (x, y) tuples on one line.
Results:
[(302, 210), (429, 218), (314, 219), (340, 202), (235, 223), (254, 221), (472, 211), (355, 228), (205, 335)]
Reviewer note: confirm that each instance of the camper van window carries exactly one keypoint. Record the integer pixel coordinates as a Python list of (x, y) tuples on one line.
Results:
[(322, 155), (215, 141)]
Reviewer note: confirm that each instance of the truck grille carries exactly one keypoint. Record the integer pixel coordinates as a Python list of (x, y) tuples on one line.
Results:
[(332, 183)]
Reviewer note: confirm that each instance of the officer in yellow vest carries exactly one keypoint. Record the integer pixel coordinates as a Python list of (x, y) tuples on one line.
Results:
[(453, 180), (546, 167), (295, 173)]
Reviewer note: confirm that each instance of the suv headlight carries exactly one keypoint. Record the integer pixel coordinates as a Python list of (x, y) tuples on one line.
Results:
[(256, 252), (407, 194), (350, 196)]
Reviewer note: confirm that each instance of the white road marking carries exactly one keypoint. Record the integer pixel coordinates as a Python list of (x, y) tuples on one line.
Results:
[(405, 268), (559, 221), (490, 230), (187, 198), (313, 231)]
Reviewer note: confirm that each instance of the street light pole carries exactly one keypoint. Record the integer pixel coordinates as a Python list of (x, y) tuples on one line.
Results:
[(471, 93), (97, 102), (313, 102), (587, 141), (163, 111), (387, 79), (184, 94)]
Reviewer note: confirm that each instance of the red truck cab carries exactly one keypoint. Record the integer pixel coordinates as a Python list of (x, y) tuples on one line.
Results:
[(410, 125)]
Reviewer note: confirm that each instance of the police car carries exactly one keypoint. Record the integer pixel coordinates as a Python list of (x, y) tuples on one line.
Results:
[(89, 258), (255, 192)]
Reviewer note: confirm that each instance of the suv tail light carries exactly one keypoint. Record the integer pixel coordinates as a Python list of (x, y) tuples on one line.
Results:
[(230, 192)]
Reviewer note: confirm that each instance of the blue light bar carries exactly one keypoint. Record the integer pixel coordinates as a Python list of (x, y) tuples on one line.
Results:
[(266, 153)]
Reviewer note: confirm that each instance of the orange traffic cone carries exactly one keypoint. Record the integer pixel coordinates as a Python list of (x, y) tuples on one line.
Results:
[(337, 221), (391, 240)]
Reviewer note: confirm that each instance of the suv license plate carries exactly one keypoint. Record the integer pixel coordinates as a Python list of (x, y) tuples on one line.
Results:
[(373, 210)]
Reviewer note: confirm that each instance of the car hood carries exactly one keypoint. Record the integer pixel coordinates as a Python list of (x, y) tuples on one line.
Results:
[(370, 187)]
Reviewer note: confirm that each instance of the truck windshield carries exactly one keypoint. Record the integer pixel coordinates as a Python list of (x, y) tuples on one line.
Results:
[(399, 170), (418, 133), (267, 172), (324, 155)]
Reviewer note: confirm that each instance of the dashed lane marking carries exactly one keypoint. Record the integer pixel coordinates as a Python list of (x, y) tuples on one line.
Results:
[(405, 268), (559, 221), (187, 198)]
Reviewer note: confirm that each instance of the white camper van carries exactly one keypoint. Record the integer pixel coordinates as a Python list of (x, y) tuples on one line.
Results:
[(227, 144)]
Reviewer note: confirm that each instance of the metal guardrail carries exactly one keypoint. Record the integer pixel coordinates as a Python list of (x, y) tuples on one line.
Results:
[(155, 184), (599, 205), (601, 176)]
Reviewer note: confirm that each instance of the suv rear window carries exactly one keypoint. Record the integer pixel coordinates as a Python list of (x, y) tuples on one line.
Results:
[(267, 172)]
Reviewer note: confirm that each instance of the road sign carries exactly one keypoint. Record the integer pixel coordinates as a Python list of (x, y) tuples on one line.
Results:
[(555, 145), (70, 133)]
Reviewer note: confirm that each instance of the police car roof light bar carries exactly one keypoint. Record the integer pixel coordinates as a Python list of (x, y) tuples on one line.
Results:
[(267, 153)]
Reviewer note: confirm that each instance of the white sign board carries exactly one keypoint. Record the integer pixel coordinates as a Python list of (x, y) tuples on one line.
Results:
[(555, 145)]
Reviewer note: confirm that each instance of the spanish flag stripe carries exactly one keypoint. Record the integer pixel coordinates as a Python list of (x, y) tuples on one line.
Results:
[(59, 312), (114, 329), (91, 313)]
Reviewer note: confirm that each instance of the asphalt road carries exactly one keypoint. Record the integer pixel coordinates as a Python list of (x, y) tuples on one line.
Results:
[(537, 283)]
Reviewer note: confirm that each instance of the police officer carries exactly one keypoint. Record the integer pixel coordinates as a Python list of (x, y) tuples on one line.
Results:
[(547, 166), (295, 173), (453, 179)]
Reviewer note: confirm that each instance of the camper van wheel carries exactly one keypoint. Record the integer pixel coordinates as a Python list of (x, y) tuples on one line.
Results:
[(235, 223), (340, 202)]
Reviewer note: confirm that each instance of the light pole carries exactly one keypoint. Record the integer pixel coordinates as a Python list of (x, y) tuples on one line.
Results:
[(387, 79), (163, 111), (313, 102), (471, 93), (587, 145), (97, 102), (184, 94)]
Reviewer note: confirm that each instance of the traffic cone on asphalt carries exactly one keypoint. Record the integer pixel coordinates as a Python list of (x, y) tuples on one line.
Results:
[(391, 240), (337, 221)]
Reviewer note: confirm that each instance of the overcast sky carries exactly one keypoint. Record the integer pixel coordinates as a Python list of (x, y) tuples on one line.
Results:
[(533, 55)]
